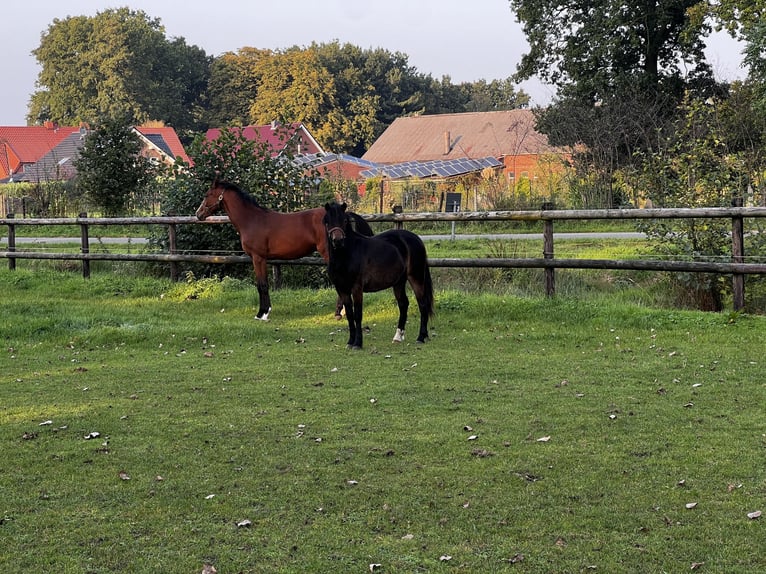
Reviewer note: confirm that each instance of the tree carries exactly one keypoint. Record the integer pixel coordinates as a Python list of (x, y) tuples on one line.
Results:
[(595, 45), (110, 171), (621, 72), (118, 65)]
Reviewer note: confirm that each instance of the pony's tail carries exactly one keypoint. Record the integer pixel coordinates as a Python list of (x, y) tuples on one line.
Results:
[(428, 289)]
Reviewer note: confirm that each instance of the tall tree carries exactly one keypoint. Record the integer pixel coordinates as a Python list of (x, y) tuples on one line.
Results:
[(118, 64), (621, 72), (597, 44)]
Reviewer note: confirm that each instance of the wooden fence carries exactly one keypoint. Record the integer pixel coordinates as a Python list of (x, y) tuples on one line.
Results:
[(736, 266)]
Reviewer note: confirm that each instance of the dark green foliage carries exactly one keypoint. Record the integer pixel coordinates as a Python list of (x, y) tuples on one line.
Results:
[(111, 172), (118, 64)]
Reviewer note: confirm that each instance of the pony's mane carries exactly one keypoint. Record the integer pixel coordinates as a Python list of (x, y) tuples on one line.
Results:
[(228, 186)]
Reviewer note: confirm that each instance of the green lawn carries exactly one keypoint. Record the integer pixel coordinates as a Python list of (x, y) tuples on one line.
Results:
[(528, 435)]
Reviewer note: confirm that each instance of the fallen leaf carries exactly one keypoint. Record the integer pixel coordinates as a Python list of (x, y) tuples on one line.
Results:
[(374, 567), (208, 569), (696, 565), (690, 505), (753, 515), (92, 435), (482, 453), (473, 437), (445, 558), (544, 439), (45, 423), (515, 559), (124, 475), (408, 537), (244, 524), (209, 496)]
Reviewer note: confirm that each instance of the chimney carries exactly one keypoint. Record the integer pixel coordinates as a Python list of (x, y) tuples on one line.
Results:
[(447, 143)]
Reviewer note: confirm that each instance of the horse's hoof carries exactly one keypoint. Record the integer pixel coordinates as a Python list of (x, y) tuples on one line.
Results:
[(354, 347), (338, 316), (263, 316)]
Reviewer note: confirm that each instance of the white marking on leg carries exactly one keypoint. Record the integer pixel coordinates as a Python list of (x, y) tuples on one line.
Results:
[(399, 336), (265, 316)]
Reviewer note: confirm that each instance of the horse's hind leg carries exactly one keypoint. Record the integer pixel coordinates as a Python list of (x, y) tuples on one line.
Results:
[(400, 292), (262, 283), (418, 288)]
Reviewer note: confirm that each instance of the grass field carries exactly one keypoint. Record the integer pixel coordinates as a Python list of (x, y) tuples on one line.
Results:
[(152, 427)]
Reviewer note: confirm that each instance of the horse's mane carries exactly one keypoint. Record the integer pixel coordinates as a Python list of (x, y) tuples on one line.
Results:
[(228, 186)]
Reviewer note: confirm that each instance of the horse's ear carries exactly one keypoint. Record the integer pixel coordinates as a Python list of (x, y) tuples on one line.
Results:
[(343, 206), (327, 207)]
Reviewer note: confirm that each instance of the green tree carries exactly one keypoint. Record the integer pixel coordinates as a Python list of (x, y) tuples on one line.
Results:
[(712, 159), (594, 45), (233, 86), (496, 95), (110, 171), (118, 65), (621, 71)]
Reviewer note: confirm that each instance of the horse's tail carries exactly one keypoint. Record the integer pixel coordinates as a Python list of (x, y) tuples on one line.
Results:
[(428, 288), (419, 264)]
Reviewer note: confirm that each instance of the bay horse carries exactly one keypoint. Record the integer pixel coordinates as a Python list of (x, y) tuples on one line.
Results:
[(360, 264), (267, 234)]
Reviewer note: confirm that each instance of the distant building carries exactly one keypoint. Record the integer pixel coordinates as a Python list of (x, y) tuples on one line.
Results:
[(37, 154), (278, 137), (508, 136)]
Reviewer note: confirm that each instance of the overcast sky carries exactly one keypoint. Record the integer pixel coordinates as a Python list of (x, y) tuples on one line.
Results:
[(467, 40)]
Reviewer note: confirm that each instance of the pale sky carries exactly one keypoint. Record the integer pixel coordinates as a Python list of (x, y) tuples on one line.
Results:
[(466, 40)]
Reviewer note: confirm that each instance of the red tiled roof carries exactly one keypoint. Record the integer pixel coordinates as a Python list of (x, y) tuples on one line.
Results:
[(23, 146), (276, 136), (171, 139), (465, 135), (26, 144)]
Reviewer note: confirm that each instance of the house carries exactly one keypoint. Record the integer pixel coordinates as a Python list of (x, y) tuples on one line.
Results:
[(47, 153), (508, 136), (277, 136)]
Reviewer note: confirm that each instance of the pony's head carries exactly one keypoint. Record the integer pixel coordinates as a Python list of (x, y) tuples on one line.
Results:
[(335, 223)]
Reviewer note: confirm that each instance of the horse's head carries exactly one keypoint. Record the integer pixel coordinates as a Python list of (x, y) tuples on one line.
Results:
[(335, 223), (212, 202)]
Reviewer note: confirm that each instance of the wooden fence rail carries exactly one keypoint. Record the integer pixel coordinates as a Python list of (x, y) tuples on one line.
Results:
[(736, 267)]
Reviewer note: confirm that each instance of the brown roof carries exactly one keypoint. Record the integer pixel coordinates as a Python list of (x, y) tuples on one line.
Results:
[(453, 136)]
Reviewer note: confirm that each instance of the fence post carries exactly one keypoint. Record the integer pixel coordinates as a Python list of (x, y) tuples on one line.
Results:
[(11, 242), (550, 272), (172, 249), (738, 256), (84, 246)]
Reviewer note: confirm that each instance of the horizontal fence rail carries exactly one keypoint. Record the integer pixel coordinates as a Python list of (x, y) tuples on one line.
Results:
[(736, 267)]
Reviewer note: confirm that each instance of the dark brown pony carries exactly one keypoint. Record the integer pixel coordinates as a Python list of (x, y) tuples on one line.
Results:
[(267, 234), (360, 264)]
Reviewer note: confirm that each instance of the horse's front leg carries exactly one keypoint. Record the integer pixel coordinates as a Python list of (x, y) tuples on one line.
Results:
[(355, 340), (345, 301), (400, 292), (339, 309), (262, 283)]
